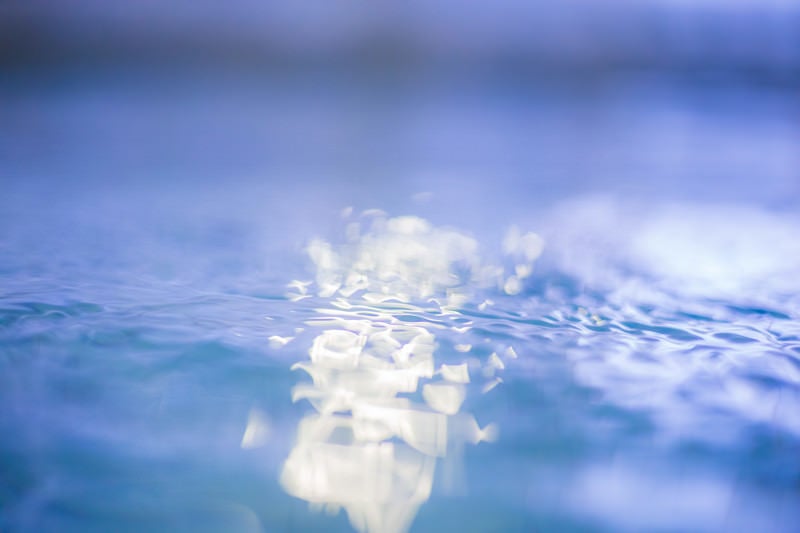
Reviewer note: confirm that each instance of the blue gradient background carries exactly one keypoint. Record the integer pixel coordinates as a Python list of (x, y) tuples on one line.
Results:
[(163, 165)]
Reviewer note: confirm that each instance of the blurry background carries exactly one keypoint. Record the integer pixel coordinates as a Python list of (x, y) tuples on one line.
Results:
[(531, 101)]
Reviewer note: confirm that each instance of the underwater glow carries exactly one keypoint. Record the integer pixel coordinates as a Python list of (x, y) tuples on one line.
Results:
[(372, 444), (389, 395)]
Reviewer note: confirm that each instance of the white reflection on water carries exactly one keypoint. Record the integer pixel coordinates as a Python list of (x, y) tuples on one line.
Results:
[(384, 413), (701, 300), (695, 251)]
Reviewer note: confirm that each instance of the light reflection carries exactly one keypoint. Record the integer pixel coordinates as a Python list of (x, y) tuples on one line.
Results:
[(690, 303), (384, 414), (257, 431)]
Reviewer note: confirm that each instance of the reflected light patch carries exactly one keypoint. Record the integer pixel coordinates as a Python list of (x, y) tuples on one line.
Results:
[(393, 284), (445, 398), (257, 431), (276, 341), (455, 373)]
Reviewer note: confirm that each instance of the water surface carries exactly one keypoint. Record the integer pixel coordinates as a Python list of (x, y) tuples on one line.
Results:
[(638, 372)]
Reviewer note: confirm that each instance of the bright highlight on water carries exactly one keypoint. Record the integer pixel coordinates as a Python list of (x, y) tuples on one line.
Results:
[(372, 446), (414, 376)]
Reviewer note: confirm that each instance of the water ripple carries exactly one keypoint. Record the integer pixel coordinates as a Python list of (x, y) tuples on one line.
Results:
[(610, 393)]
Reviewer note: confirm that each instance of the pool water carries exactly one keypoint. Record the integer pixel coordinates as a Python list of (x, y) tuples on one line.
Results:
[(562, 328)]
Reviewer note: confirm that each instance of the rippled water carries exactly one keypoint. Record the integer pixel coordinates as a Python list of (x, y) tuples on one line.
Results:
[(254, 358), (598, 397)]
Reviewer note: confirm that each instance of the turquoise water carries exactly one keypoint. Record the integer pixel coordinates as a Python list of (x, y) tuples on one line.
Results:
[(620, 355)]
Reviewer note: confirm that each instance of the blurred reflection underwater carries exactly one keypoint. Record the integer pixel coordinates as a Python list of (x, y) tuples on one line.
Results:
[(624, 376), (367, 449)]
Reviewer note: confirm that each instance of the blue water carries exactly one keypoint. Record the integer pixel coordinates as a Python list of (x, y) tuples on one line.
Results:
[(649, 365)]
